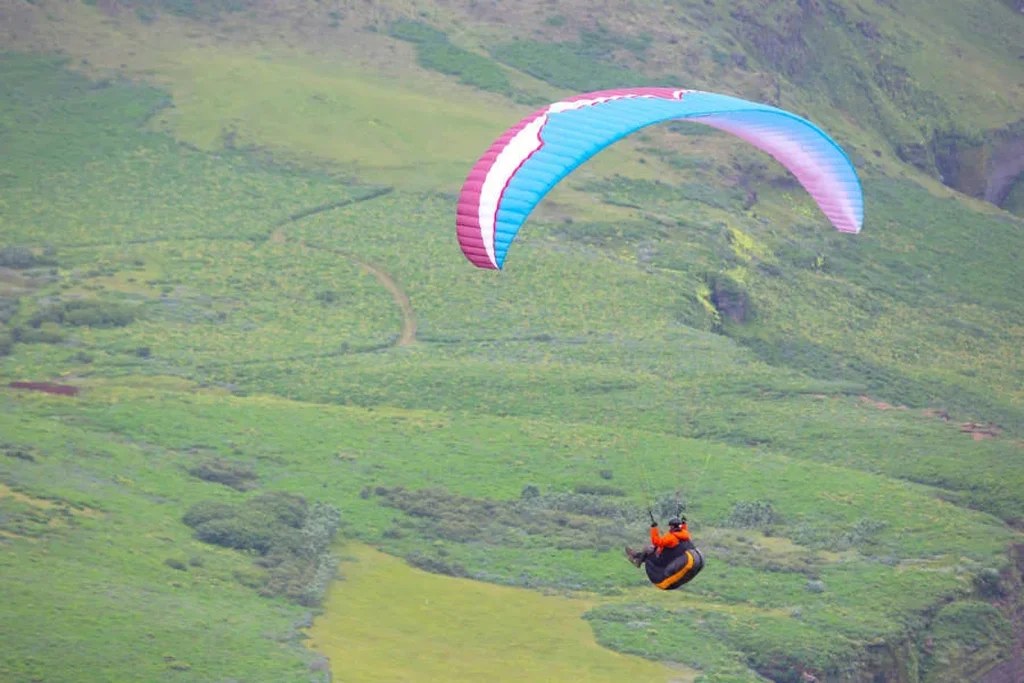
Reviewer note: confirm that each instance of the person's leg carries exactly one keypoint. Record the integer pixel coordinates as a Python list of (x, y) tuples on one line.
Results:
[(638, 557)]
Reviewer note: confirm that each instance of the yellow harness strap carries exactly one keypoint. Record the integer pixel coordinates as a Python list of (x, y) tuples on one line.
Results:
[(679, 574)]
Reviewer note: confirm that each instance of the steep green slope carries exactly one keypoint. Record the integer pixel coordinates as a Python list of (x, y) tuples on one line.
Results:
[(539, 410)]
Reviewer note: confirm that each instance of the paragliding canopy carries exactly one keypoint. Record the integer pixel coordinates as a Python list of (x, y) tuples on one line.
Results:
[(522, 165)]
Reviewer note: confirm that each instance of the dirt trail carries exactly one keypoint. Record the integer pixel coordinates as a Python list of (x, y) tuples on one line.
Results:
[(401, 299), (408, 335)]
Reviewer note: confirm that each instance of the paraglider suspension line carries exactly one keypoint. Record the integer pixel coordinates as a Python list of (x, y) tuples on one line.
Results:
[(645, 484)]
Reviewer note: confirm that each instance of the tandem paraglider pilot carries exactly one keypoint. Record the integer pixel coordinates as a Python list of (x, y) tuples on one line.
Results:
[(670, 560)]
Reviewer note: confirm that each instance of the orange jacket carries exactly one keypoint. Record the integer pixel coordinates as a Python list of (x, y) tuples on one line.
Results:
[(669, 540)]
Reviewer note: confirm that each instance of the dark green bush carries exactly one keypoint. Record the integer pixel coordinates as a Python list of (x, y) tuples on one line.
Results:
[(436, 565), (17, 452), (85, 313), (752, 514), (16, 257), (327, 296), (290, 537), (599, 490), (471, 68), (236, 475), (416, 32), (8, 309), (990, 584), (435, 52), (208, 510), (289, 509), (828, 537), (529, 491), (23, 335), (580, 66), (240, 533)]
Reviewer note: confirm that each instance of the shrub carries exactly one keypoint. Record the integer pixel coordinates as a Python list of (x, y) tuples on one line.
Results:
[(28, 335), (290, 537), (828, 537), (208, 510), (416, 32), (579, 66), (327, 296), (8, 309), (752, 514), (18, 452), (318, 528), (240, 533), (85, 314), (599, 490), (990, 584), (435, 52), (315, 587), (16, 257), (287, 508), (238, 476), (436, 565)]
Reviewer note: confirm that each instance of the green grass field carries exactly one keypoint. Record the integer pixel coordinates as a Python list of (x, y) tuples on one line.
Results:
[(256, 211)]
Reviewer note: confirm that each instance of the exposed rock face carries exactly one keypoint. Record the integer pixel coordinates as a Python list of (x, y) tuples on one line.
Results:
[(986, 169), (730, 299), (1005, 165), (1012, 670)]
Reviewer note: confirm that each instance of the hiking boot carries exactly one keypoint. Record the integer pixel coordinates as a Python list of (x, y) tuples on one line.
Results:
[(635, 556)]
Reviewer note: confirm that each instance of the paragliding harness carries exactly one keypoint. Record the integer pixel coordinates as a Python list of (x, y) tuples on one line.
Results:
[(673, 567)]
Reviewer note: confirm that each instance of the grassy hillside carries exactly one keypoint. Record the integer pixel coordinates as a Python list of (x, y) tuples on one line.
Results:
[(229, 224)]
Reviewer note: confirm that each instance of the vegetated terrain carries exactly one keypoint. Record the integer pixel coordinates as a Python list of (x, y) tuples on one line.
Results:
[(201, 204)]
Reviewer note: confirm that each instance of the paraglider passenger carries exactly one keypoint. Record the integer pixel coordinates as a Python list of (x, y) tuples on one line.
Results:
[(677, 533), (671, 559)]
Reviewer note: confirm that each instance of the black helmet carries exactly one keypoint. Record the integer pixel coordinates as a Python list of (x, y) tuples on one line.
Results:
[(676, 522)]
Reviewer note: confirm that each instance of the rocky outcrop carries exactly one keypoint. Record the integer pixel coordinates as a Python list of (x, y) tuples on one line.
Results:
[(1012, 670), (1006, 163), (922, 655), (985, 166)]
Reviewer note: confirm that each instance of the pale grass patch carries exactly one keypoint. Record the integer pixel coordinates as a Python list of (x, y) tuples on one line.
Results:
[(389, 621)]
